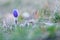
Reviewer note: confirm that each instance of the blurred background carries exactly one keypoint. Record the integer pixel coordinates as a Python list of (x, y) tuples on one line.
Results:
[(37, 20)]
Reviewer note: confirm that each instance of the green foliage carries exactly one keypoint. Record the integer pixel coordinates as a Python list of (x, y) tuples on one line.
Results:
[(23, 33), (46, 12), (20, 19), (20, 33), (51, 29), (37, 33), (57, 17), (1, 36)]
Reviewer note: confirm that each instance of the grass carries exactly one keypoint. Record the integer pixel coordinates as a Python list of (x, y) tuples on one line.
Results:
[(26, 33), (36, 32)]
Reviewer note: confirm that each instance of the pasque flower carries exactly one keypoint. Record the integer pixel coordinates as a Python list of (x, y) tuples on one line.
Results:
[(15, 13)]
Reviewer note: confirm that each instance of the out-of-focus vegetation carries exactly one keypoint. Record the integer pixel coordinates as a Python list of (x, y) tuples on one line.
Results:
[(56, 18), (43, 22)]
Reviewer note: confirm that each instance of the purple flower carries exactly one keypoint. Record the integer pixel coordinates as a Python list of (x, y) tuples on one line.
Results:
[(15, 13)]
